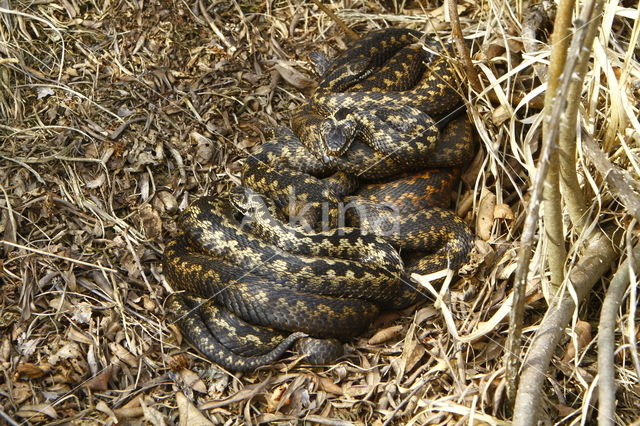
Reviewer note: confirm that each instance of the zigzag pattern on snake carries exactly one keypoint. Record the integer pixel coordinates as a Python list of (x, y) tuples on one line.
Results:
[(257, 273)]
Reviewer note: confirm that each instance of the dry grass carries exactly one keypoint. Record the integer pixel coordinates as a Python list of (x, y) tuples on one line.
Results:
[(113, 117)]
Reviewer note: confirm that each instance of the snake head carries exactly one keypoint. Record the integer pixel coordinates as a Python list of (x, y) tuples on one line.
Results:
[(337, 132)]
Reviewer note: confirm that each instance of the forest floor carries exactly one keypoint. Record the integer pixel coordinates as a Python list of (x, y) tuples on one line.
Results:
[(115, 115)]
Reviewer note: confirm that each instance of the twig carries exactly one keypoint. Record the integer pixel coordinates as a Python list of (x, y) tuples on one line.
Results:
[(534, 17), (580, 51), (556, 253), (620, 182), (214, 27), (339, 22), (606, 338), (405, 401), (463, 51), (45, 253), (595, 261), (558, 105)]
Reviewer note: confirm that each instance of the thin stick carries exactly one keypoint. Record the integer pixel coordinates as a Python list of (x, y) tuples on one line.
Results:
[(339, 22), (463, 51), (606, 339), (69, 259)]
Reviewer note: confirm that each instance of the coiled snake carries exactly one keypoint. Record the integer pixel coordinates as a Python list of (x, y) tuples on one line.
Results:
[(310, 245)]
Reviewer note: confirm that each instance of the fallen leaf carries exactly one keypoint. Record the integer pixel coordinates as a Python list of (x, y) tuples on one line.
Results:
[(32, 371), (293, 77), (100, 382), (500, 115), (188, 413), (151, 222), (484, 219), (244, 394), (192, 380), (329, 386), (103, 407), (503, 211), (205, 148), (152, 415), (27, 411), (124, 355), (386, 334), (68, 351), (583, 337)]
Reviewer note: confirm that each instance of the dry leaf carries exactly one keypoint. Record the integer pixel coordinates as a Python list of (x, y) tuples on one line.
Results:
[(192, 380), (247, 393), (124, 355), (385, 334), (293, 77), (583, 337), (189, 414), (484, 219), (329, 386), (32, 371), (27, 411), (206, 148), (100, 382), (151, 222), (503, 211), (152, 415), (103, 407), (501, 114)]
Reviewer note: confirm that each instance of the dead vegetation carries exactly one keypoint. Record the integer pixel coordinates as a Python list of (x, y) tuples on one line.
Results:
[(113, 116)]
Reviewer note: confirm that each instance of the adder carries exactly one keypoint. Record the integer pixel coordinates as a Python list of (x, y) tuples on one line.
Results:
[(254, 309)]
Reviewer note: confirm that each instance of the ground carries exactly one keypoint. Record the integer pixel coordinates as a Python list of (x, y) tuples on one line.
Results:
[(114, 116)]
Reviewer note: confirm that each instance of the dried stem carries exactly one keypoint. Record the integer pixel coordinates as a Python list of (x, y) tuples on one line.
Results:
[(606, 338), (548, 185), (339, 22), (595, 261), (554, 234), (620, 181), (580, 52), (463, 51)]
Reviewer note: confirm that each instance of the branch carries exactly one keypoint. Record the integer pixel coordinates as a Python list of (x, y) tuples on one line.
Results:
[(595, 261), (463, 51), (620, 181), (580, 51), (556, 252), (339, 22), (606, 339), (549, 186)]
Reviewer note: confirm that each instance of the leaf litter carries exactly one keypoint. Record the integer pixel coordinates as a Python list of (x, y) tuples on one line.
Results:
[(116, 115)]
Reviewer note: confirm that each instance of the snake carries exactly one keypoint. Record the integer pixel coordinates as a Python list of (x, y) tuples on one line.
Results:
[(306, 253)]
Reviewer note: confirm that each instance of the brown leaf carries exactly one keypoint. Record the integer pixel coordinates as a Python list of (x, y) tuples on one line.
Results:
[(503, 211), (583, 337), (100, 382), (32, 371), (189, 414), (206, 148), (28, 411), (242, 395), (152, 415), (293, 77), (484, 220), (103, 407), (151, 221), (192, 380), (500, 115), (124, 355), (386, 334), (329, 386)]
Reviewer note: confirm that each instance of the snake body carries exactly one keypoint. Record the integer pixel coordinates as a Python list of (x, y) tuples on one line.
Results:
[(308, 251)]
